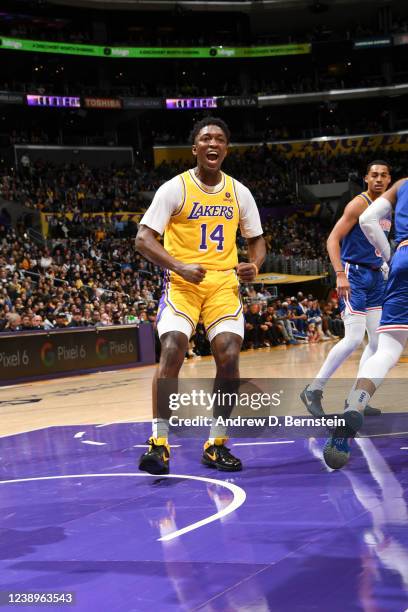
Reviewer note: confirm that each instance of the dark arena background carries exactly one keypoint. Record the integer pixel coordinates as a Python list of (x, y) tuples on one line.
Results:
[(97, 101)]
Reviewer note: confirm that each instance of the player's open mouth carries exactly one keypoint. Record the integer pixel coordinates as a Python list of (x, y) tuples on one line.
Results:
[(212, 156)]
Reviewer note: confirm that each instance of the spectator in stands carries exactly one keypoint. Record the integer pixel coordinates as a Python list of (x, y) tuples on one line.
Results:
[(13, 322), (26, 322), (283, 319), (254, 334), (60, 320), (77, 319), (313, 334), (332, 322), (314, 316), (37, 322), (298, 315), (274, 331)]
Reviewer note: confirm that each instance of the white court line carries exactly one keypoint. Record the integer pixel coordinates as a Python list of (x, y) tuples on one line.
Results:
[(79, 434), (91, 442), (262, 443), (392, 433), (44, 427), (404, 448), (114, 423), (239, 495)]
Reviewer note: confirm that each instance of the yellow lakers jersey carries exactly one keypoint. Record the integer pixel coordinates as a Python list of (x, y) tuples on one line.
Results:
[(203, 229)]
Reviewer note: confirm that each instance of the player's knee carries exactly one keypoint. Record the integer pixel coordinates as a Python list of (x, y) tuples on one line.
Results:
[(373, 342), (389, 358), (227, 361), (173, 349), (353, 337)]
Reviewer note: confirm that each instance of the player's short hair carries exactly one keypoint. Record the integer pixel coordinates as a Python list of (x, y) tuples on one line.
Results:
[(378, 162), (199, 125)]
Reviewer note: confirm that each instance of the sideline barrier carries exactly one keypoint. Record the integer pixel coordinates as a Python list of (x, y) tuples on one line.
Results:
[(55, 353)]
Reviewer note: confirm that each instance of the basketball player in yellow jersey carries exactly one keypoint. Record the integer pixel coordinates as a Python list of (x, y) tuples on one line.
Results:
[(199, 213)]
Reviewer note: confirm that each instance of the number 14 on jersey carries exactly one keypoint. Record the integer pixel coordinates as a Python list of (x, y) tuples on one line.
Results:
[(217, 236)]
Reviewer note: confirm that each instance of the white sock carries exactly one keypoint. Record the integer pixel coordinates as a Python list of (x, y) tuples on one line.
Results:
[(160, 428), (217, 431), (357, 400)]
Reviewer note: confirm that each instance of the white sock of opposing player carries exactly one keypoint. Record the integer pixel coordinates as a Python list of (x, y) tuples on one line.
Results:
[(390, 346), (354, 330)]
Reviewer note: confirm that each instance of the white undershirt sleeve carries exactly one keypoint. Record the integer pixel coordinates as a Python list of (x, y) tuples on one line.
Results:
[(167, 199), (249, 219), (371, 228)]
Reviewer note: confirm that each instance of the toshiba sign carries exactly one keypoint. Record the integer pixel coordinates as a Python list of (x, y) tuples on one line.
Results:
[(110, 103)]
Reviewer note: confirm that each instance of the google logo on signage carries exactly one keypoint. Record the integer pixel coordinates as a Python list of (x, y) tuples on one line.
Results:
[(47, 354), (101, 349)]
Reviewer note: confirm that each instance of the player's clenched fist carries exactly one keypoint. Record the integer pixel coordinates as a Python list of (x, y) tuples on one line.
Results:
[(246, 272), (193, 273)]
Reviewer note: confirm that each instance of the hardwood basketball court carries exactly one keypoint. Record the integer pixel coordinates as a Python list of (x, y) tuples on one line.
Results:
[(125, 395)]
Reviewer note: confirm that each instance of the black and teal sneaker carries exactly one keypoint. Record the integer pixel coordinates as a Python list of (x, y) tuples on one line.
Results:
[(313, 401), (218, 456), (336, 451), (371, 411), (156, 460), (368, 410)]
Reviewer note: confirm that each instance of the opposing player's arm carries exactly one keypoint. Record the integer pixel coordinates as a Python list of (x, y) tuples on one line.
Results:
[(370, 220), (343, 226)]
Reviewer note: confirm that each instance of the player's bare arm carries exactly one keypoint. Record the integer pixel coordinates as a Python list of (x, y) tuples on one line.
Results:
[(256, 252), (148, 246), (343, 226)]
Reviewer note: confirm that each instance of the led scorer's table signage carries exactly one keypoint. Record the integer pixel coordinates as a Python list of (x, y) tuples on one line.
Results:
[(183, 103), (53, 101)]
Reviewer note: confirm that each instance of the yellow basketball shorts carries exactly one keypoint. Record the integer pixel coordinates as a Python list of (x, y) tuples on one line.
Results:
[(216, 299)]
